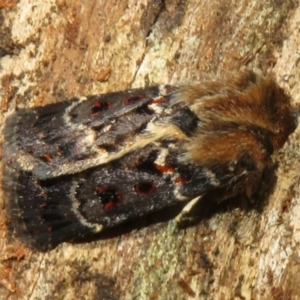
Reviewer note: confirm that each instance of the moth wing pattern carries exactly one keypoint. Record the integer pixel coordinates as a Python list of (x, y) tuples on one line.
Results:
[(78, 167)]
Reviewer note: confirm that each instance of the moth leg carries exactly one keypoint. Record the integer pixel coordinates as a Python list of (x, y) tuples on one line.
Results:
[(187, 209)]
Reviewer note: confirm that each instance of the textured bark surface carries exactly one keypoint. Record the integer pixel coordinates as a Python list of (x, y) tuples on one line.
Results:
[(53, 50)]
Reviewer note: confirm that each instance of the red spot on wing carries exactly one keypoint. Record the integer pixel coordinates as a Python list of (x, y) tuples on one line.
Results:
[(164, 169), (158, 100), (181, 180), (47, 157), (144, 188), (100, 106), (108, 196), (133, 99)]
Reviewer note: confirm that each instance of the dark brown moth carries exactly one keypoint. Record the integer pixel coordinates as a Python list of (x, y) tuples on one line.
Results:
[(78, 167)]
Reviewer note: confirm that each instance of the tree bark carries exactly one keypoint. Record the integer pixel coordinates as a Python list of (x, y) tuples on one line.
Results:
[(58, 49)]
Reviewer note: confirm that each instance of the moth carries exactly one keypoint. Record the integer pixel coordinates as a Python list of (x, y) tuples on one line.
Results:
[(78, 167)]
